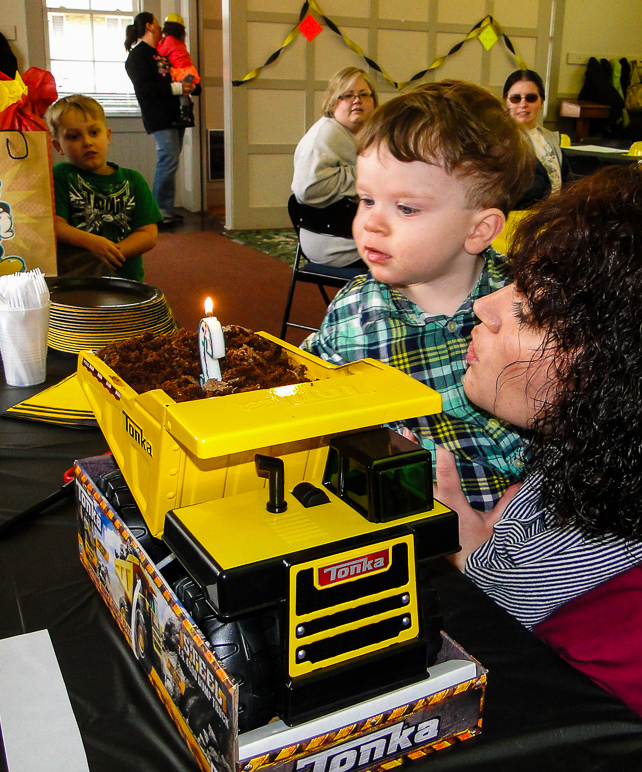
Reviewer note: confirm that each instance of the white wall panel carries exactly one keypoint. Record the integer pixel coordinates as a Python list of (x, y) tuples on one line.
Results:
[(466, 65), (263, 38), (511, 14), (469, 12), (403, 53), (404, 10), (266, 112), (338, 8), (332, 54), (270, 178)]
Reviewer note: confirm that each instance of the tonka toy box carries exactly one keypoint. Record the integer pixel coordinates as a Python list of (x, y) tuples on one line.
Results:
[(202, 698)]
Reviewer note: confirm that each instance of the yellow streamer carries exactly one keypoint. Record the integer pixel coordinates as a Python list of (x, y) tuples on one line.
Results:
[(488, 31)]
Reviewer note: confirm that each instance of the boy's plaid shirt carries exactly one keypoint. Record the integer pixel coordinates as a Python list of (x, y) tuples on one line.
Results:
[(371, 319)]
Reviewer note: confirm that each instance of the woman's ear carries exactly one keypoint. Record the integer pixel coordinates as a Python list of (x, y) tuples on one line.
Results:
[(488, 224)]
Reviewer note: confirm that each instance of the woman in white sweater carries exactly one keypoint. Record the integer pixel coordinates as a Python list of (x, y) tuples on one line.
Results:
[(325, 170)]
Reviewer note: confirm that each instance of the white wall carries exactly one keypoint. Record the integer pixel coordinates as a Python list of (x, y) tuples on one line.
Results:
[(13, 25), (597, 28)]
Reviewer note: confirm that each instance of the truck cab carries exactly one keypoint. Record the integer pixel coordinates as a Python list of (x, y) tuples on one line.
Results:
[(330, 567)]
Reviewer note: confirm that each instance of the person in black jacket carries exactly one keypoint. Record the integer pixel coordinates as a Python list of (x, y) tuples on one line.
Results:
[(8, 61), (159, 101)]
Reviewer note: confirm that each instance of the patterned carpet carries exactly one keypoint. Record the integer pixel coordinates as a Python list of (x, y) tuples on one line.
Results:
[(277, 242)]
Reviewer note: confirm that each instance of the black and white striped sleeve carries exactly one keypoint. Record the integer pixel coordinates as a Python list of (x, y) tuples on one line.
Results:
[(531, 564)]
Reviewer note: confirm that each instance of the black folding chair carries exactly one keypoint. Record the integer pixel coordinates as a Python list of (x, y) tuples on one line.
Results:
[(306, 271)]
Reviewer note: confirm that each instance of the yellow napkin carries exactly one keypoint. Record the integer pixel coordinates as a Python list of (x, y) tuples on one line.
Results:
[(64, 403)]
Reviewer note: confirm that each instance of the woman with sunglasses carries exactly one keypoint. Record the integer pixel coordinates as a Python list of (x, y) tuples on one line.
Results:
[(325, 172), (524, 96)]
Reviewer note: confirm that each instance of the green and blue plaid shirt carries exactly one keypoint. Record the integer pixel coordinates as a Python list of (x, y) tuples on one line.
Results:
[(368, 319)]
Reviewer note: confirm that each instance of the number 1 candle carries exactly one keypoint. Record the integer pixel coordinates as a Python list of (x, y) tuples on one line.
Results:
[(211, 344)]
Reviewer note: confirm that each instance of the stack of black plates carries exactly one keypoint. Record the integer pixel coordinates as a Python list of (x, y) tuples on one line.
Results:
[(90, 313)]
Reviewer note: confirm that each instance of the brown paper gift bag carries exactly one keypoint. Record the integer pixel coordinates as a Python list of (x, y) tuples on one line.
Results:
[(27, 235)]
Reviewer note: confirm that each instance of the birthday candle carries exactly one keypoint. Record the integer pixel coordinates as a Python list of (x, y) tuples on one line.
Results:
[(211, 344)]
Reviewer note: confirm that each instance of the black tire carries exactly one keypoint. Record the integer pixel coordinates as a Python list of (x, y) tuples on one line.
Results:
[(114, 488), (241, 646), (142, 638), (124, 612)]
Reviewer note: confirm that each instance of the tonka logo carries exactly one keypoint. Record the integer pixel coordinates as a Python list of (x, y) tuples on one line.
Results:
[(387, 743), (88, 508), (348, 569), (136, 433)]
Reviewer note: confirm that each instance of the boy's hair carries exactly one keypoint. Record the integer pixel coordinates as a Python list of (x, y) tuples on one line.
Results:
[(89, 107), (462, 128), (341, 82), (577, 260)]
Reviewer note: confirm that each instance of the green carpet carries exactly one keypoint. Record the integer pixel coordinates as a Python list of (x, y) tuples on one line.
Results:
[(277, 242)]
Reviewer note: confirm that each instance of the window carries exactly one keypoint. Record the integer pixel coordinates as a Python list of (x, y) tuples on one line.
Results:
[(87, 52)]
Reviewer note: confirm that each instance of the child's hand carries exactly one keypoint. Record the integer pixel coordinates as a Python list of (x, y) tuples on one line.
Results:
[(475, 527), (107, 251)]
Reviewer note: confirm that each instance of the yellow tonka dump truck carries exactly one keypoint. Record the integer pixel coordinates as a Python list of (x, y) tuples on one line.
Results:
[(296, 530)]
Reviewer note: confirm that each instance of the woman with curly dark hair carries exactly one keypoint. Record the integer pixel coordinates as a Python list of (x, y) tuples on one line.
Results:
[(559, 353)]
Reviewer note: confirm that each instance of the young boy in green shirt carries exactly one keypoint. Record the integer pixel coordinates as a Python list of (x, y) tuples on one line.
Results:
[(105, 215), (438, 169)]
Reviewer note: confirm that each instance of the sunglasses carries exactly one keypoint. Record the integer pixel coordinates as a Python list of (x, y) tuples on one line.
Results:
[(517, 98)]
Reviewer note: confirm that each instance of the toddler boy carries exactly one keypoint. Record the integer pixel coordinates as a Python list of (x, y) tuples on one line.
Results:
[(438, 169), (105, 215)]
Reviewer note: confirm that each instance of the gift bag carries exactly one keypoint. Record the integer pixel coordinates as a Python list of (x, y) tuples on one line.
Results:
[(27, 233)]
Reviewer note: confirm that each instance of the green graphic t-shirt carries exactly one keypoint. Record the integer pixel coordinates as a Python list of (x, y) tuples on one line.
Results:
[(109, 205)]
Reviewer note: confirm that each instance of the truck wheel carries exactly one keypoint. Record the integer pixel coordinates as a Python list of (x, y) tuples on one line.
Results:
[(124, 613), (143, 639), (241, 647)]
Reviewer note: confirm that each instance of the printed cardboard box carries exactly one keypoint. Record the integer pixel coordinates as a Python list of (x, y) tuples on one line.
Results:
[(201, 698)]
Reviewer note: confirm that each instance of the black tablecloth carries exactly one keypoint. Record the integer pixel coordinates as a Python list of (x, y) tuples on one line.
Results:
[(540, 714)]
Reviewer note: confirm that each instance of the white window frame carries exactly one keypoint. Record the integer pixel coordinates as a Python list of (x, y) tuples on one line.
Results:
[(116, 105)]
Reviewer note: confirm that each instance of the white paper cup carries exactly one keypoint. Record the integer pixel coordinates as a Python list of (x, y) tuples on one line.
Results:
[(23, 344)]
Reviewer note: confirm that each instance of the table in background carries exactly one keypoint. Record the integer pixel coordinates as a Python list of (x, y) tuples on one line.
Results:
[(583, 112), (585, 162), (539, 713)]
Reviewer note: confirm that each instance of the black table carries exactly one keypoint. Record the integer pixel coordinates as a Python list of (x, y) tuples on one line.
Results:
[(539, 714)]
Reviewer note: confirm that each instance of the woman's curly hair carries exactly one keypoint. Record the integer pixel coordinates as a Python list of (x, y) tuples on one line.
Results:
[(577, 260)]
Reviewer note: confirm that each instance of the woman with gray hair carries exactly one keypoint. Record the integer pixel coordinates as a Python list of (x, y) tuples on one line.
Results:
[(325, 170)]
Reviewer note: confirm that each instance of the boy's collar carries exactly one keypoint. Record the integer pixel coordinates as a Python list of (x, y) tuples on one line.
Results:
[(410, 312), (115, 167)]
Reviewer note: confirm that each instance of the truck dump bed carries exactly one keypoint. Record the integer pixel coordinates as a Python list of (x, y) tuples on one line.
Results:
[(177, 454)]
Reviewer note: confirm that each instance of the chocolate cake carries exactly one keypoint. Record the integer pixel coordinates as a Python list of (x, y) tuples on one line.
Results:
[(171, 363)]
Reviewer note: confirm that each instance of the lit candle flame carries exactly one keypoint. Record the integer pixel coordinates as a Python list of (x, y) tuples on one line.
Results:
[(209, 306)]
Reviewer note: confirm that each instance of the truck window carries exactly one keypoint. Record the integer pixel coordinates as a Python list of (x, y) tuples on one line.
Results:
[(355, 486), (404, 491)]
